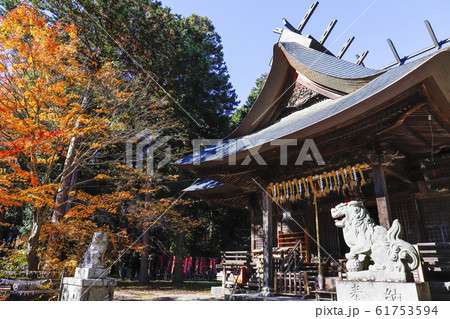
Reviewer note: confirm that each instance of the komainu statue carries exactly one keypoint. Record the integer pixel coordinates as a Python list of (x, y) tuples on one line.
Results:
[(393, 258), (93, 257)]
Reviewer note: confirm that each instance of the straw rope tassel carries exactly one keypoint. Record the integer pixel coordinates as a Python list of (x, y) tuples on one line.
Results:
[(336, 185), (271, 190), (305, 187), (313, 189), (352, 181), (327, 185), (277, 187), (338, 181), (344, 182), (363, 181), (296, 187), (291, 191)]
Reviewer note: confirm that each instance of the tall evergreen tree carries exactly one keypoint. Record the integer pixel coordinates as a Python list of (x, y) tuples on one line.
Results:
[(178, 60), (179, 56), (241, 112)]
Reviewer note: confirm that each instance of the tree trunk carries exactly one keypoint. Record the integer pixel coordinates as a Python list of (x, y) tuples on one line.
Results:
[(73, 180), (179, 254), (122, 271), (69, 175), (63, 192), (143, 272), (33, 241)]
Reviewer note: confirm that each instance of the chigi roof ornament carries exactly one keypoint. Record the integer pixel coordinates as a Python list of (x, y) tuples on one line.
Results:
[(360, 58), (325, 35), (436, 45), (305, 19)]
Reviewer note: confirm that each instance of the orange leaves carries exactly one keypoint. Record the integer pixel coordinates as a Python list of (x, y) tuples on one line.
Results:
[(99, 177), (36, 71), (37, 44), (71, 30), (40, 106), (52, 107), (71, 238)]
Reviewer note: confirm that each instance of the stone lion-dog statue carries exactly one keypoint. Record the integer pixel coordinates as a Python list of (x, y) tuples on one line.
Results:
[(393, 258), (93, 257)]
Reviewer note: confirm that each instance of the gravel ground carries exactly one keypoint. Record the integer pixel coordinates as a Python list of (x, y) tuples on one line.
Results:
[(130, 295), (164, 290)]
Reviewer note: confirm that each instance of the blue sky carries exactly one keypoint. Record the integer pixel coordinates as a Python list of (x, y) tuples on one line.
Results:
[(246, 29)]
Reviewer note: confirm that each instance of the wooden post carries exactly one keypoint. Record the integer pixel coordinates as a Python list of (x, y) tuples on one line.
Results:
[(384, 209), (267, 244), (224, 277), (419, 222), (252, 235), (279, 230)]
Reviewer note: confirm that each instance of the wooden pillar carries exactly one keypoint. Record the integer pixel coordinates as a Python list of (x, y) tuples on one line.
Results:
[(384, 209), (267, 243), (252, 235), (224, 277), (421, 238), (279, 230)]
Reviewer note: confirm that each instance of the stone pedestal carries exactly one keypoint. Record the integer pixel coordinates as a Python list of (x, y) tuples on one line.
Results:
[(266, 292), (90, 281), (220, 291), (79, 289), (89, 284), (382, 276), (352, 290), (90, 272)]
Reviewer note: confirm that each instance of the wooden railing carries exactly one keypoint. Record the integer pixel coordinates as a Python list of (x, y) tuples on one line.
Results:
[(292, 284), (435, 268), (299, 239)]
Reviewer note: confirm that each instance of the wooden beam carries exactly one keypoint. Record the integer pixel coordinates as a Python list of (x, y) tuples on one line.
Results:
[(416, 135), (252, 235), (361, 58), (422, 186), (345, 47), (267, 243), (307, 16), (327, 32), (419, 223), (394, 52), (402, 118), (438, 104), (399, 175), (381, 194)]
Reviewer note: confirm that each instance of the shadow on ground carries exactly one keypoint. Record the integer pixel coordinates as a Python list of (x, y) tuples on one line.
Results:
[(164, 290)]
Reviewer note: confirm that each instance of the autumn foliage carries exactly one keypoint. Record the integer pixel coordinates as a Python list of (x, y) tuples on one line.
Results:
[(47, 99)]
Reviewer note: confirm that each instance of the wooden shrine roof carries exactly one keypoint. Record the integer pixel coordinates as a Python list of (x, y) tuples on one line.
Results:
[(333, 113), (407, 107), (318, 69)]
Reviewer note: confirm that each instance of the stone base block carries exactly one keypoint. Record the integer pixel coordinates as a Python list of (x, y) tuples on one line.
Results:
[(350, 290), (371, 275), (78, 289), (220, 291), (90, 273), (266, 292)]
